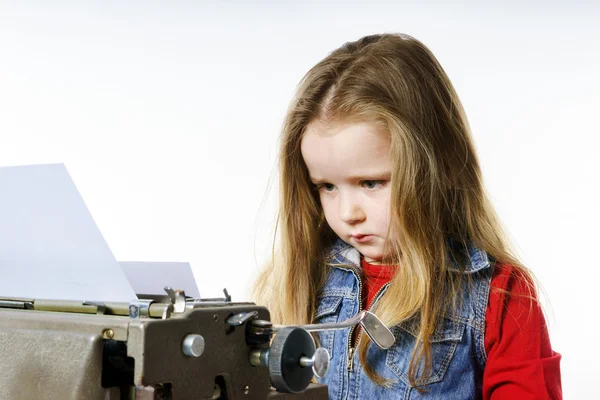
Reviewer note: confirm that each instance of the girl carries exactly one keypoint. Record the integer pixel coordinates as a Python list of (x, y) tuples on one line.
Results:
[(383, 208)]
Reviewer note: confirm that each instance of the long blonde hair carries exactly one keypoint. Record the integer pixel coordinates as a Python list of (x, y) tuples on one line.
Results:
[(437, 190)]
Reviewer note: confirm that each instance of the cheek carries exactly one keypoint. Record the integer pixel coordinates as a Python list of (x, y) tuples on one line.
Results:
[(329, 210), (380, 205), (382, 211), (327, 206)]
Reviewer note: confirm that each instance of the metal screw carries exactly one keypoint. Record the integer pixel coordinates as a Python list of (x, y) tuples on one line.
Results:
[(246, 389), (193, 345), (109, 333)]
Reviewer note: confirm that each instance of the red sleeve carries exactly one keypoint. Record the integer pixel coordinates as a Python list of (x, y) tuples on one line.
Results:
[(520, 361)]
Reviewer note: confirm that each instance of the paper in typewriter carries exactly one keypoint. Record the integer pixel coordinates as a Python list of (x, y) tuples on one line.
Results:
[(50, 247), (151, 277)]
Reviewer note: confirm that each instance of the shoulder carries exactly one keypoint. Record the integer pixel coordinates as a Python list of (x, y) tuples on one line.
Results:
[(513, 307), (511, 281), (520, 359)]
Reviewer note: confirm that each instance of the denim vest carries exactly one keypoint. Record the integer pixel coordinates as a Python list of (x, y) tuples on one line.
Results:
[(458, 354)]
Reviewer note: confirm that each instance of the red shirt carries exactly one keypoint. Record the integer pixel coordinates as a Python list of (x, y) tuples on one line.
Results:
[(520, 361)]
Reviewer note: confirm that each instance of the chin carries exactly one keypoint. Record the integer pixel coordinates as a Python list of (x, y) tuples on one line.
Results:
[(373, 257)]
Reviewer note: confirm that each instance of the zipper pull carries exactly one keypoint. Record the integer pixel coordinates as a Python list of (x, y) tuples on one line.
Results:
[(351, 359)]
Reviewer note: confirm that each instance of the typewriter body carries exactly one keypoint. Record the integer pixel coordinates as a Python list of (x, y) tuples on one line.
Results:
[(161, 347), (152, 348)]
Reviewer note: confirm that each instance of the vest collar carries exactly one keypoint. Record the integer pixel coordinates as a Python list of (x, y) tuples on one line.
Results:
[(342, 254)]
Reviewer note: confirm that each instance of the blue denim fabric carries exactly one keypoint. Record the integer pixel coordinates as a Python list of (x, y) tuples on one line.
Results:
[(457, 344)]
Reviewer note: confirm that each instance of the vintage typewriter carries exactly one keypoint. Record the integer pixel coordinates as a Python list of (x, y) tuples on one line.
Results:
[(161, 347)]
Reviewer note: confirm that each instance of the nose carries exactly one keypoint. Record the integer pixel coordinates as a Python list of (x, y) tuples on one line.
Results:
[(351, 211)]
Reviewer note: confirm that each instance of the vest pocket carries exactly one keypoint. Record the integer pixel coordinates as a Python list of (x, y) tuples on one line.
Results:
[(328, 311), (448, 334)]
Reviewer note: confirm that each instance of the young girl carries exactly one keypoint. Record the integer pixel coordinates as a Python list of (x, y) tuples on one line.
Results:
[(383, 208)]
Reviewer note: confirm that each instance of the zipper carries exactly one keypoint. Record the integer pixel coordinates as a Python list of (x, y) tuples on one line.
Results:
[(351, 359), (351, 350), (375, 298)]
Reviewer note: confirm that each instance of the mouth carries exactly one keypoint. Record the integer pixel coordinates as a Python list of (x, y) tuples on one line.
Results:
[(362, 238)]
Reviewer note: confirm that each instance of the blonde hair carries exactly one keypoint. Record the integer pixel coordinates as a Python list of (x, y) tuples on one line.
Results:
[(437, 190)]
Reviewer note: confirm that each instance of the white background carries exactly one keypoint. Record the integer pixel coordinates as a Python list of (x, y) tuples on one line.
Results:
[(166, 114)]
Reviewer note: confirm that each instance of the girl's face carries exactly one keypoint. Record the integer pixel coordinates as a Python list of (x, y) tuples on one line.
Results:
[(350, 166)]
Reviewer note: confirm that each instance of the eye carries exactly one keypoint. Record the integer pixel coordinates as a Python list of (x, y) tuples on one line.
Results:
[(327, 187), (372, 184)]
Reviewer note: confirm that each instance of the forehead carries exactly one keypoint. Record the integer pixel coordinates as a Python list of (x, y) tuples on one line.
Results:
[(339, 149)]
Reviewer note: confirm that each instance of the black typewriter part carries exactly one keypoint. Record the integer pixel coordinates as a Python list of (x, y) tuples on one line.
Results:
[(258, 332), (220, 389), (117, 368), (290, 346), (117, 371)]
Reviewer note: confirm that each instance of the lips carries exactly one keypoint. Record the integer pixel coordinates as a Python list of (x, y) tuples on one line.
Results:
[(362, 238)]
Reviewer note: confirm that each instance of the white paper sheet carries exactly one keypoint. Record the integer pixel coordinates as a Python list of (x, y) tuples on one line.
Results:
[(50, 247), (152, 277)]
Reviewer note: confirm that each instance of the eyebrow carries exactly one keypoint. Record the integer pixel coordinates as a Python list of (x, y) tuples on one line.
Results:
[(370, 177)]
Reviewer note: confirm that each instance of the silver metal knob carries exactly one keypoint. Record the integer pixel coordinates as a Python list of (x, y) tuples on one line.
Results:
[(319, 362), (193, 345)]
